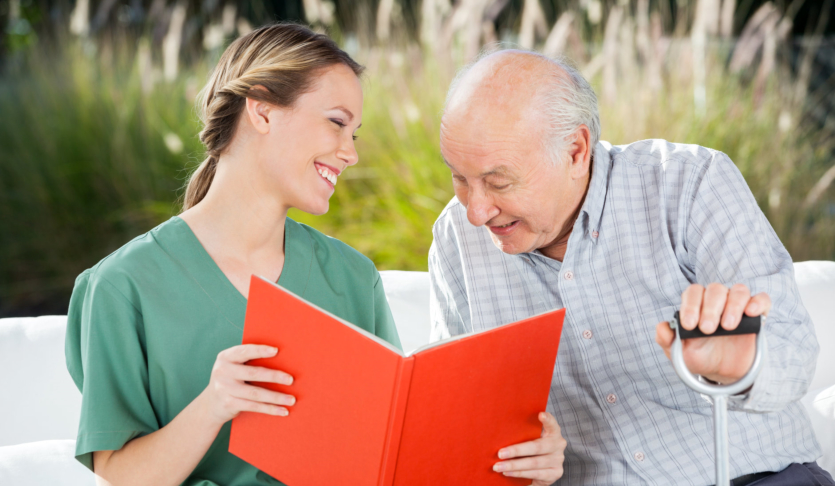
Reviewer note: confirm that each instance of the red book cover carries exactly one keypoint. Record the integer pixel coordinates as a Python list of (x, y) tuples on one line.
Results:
[(366, 414)]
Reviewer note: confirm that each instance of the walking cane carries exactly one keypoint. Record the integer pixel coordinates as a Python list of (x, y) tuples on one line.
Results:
[(719, 393)]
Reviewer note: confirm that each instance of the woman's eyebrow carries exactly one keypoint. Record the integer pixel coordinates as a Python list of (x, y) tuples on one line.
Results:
[(344, 110)]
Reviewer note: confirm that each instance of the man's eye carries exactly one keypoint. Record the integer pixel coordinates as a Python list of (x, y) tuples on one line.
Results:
[(499, 188)]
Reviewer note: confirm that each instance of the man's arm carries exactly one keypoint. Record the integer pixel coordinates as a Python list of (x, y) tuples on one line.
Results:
[(739, 264), (445, 304)]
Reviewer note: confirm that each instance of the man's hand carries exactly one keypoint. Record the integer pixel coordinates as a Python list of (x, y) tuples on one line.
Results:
[(723, 359), (541, 458)]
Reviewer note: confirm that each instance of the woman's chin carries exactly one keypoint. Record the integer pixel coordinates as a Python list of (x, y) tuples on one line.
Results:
[(316, 209)]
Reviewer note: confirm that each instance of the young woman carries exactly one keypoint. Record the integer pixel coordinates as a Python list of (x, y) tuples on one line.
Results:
[(154, 329)]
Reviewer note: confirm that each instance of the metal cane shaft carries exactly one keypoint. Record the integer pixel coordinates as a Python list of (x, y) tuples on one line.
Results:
[(719, 393), (720, 436)]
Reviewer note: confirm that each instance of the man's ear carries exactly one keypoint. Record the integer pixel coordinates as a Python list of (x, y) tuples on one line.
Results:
[(580, 151), (258, 113)]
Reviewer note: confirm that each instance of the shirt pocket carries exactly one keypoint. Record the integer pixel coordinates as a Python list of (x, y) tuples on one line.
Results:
[(661, 385)]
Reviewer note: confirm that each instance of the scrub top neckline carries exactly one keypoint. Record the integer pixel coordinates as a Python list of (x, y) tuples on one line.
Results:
[(186, 248)]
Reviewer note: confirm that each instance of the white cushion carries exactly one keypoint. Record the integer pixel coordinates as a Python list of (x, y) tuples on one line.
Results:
[(816, 281), (39, 400), (408, 296), (820, 405), (41, 463)]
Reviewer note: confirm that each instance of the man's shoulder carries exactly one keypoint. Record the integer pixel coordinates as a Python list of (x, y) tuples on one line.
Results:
[(452, 224), (663, 154), (450, 217)]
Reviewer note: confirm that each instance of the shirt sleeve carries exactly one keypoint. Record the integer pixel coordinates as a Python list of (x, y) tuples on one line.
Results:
[(384, 326), (105, 352), (729, 241), (444, 285)]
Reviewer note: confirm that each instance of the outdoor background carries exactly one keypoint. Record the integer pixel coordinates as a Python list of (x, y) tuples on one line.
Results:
[(98, 130)]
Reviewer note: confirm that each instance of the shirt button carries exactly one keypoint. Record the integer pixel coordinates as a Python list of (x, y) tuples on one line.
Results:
[(587, 334), (639, 456), (612, 398), (595, 234), (569, 275)]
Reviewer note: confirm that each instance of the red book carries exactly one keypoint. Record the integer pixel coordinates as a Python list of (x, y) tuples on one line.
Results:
[(366, 414)]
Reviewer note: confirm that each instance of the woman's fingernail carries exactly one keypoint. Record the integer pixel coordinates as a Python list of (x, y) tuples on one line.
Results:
[(498, 467), (502, 454)]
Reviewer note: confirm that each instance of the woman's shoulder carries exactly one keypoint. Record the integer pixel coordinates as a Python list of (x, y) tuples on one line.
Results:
[(120, 268)]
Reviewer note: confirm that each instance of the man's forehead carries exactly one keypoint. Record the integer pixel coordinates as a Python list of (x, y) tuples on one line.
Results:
[(490, 169)]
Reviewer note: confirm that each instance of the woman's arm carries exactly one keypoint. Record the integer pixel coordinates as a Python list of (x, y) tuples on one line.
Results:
[(170, 454)]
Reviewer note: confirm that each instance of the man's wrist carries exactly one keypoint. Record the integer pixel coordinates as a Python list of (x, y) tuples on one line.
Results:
[(742, 394)]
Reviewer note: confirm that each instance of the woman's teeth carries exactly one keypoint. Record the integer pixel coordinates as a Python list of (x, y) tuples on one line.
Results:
[(506, 225), (330, 176)]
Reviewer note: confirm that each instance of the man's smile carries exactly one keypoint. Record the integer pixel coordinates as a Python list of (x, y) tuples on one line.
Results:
[(505, 229)]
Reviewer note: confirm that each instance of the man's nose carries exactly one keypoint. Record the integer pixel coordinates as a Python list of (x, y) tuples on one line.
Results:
[(480, 208)]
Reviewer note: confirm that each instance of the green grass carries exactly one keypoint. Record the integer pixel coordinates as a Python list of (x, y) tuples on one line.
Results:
[(84, 166)]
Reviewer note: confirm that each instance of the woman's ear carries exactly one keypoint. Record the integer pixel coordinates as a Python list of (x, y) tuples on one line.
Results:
[(258, 113)]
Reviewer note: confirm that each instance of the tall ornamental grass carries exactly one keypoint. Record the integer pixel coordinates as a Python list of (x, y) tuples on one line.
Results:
[(95, 148)]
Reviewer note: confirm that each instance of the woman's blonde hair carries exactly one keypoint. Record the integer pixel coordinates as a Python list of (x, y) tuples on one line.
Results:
[(284, 59)]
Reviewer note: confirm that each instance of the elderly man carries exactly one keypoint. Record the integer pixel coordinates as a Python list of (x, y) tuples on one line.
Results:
[(545, 216)]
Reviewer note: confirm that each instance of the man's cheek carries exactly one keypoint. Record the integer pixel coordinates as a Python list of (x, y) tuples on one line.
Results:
[(460, 193)]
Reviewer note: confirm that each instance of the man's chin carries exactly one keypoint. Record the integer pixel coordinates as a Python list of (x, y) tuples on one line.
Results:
[(509, 245)]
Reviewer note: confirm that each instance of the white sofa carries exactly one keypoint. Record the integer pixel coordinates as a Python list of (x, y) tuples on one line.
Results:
[(39, 404)]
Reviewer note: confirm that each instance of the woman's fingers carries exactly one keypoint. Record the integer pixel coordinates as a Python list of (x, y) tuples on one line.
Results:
[(256, 373), (246, 352), (257, 394), (229, 391), (241, 405)]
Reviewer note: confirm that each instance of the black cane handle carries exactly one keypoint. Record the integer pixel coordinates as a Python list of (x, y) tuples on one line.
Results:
[(748, 325)]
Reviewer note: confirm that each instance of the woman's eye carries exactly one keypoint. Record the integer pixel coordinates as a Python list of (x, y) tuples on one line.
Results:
[(499, 188), (338, 122), (355, 137)]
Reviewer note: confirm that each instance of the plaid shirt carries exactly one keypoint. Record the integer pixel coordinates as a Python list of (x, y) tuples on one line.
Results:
[(657, 217)]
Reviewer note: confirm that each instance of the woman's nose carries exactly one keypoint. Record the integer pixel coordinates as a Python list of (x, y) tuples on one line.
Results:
[(348, 152)]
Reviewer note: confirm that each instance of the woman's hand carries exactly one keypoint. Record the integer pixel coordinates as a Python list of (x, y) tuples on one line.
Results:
[(541, 458), (229, 394)]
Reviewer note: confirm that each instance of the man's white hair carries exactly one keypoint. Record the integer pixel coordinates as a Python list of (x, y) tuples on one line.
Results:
[(567, 102)]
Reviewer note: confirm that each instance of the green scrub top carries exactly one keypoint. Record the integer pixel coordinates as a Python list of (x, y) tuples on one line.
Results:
[(146, 324)]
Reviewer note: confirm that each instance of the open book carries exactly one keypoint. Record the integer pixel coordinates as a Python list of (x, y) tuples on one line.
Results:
[(366, 414)]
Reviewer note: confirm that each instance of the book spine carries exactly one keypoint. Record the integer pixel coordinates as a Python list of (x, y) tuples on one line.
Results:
[(399, 399)]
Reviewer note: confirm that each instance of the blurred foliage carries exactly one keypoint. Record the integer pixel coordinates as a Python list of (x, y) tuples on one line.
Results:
[(95, 147)]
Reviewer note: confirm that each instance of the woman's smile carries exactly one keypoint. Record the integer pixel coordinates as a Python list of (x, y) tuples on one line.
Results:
[(328, 173)]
